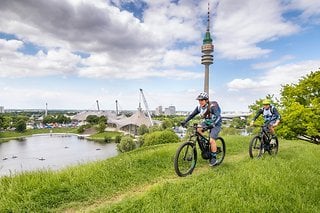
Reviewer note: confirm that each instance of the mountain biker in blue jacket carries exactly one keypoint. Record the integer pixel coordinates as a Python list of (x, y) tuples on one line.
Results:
[(211, 114), (270, 114)]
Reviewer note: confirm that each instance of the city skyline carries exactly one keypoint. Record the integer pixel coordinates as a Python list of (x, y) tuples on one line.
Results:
[(71, 53)]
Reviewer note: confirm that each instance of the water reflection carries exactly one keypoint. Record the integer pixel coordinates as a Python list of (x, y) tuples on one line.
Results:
[(53, 151)]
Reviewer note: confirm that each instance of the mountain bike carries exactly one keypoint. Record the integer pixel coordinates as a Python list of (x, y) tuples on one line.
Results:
[(261, 143), (185, 158)]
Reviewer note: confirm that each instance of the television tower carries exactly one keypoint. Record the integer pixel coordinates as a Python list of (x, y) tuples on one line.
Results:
[(46, 111), (207, 58)]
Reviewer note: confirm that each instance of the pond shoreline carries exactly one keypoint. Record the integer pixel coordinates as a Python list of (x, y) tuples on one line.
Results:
[(80, 136)]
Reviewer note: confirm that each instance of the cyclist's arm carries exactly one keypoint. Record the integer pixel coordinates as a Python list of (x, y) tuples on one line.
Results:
[(192, 115), (256, 116)]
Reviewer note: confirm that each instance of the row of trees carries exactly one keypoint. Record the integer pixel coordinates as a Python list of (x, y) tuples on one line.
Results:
[(19, 122)]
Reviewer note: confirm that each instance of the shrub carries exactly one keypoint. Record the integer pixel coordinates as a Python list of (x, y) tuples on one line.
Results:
[(81, 129), (107, 139), (126, 144), (160, 137), (143, 129), (117, 139), (21, 126)]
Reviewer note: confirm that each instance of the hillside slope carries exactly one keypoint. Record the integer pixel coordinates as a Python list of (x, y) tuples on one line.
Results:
[(288, 182), (144, 181)]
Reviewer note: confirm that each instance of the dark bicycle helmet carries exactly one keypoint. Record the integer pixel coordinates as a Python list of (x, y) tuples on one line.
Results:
[(203, 96)]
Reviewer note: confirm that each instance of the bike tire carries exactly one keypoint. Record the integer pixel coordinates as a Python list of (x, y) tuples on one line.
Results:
[(274, 148), (221, 150), (185, 159), (256, 147)]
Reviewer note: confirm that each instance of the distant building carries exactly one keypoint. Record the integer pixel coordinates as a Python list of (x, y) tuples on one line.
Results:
[(171, 110), (1, 109), (159, 110)]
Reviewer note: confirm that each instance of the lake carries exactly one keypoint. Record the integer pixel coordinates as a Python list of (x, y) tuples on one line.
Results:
[(50, 151)]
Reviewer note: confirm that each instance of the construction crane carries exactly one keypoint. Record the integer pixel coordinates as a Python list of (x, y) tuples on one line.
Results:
[(146, 105)]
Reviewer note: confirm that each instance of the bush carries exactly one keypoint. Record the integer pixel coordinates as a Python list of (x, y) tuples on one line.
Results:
[(160, 137), (126, 144), (81, 129), (21, 126), (143, 129), (107, 139), (117, 139), (101, 127)]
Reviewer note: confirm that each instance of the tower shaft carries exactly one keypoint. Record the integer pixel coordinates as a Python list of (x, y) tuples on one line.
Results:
[(207, 57)]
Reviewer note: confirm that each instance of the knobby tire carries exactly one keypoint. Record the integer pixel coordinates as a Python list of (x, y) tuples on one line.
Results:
[(185, 159), (256, 147)]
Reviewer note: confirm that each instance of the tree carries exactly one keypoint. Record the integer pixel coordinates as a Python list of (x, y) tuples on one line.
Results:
[(167, 123), (238, 123), (21, 126), (92, 119), (126, 144), (143, 129), (49, 119), (62, 119), (101, 127), (301, 113)]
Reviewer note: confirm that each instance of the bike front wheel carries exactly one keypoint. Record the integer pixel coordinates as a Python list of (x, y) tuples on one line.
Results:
[(255, 147), (221, 150), (185, 159)]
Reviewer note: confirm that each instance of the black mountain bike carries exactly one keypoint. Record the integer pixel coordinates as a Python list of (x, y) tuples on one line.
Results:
[(185, 158), (261, 143)]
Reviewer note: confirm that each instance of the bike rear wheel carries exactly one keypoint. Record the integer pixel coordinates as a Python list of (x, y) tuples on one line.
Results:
[(185, 159), (256, 147), (221, 150)]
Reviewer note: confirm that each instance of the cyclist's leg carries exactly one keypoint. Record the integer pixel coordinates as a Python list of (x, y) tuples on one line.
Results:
[(200, 128), (213, 136), (271, 128)]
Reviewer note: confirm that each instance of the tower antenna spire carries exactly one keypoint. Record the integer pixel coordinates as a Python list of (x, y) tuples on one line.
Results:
[(208, 27)]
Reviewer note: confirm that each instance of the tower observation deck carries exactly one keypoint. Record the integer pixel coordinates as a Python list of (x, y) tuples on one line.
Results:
[(207, 58)]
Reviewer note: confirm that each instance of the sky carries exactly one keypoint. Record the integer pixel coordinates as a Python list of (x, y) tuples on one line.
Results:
[(71, 53)]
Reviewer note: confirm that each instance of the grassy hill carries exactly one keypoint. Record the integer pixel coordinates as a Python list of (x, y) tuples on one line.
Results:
[(144, 181)]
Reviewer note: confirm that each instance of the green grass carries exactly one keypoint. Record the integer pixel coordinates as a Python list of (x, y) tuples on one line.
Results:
[(9, 135), (107, 134), (144, 181)]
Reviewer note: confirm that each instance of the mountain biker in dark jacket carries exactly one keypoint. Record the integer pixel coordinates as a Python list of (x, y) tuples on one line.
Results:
[(211, 114), (270, 114)]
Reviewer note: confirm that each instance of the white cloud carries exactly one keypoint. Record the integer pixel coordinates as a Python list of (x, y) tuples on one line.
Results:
[(310, 10), (54, 62), (238, 84), (272, 79), (241, 25)]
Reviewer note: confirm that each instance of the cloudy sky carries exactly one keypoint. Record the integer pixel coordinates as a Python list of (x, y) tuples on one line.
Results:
[(70, 53)]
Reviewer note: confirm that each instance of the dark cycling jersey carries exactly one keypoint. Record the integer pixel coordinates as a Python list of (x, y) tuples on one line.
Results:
[(269, 115), (214, 117)]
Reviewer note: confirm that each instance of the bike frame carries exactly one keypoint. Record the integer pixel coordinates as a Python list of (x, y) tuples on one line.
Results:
[(201, 140), (264, 134)]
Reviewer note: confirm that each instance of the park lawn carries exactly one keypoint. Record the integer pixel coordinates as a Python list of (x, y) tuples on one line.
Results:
[(143, 180)]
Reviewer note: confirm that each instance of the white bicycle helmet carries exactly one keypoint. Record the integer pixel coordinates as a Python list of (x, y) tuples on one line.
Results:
[(203, 96)]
